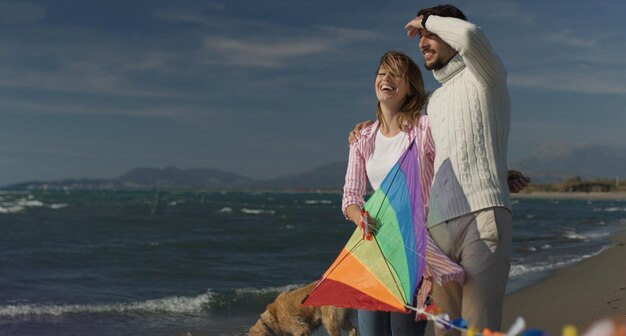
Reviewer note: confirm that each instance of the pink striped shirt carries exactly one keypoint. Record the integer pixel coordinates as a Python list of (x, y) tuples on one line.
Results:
[(439, 267), (355, 185)]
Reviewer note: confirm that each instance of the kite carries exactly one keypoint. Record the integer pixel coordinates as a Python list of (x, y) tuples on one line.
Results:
[(382, 273)]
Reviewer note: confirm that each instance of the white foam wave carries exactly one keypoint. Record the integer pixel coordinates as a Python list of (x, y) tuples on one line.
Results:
[(225, 210), (268, 290), (257, 211), (29, 202), (614, 209), (586, 236), (318, 202), (574, 235), (56, 206), (11, 209), (518, 270), (19, 205), (177, 304), (597, 234)]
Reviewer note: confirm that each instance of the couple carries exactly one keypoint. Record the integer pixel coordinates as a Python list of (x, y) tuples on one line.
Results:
[(461, 131)]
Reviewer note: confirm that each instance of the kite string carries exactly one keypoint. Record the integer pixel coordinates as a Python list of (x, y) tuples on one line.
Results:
[(517, 327)]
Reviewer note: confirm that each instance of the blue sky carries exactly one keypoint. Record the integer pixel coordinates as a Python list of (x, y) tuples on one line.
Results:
[(265, 88)]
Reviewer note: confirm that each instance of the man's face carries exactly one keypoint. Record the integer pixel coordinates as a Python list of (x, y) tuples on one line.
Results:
[(436, 52)]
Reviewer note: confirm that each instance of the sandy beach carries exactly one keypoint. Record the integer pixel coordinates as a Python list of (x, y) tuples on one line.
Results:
[(579, 295)]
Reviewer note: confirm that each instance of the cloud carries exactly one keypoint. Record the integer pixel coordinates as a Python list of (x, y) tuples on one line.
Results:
[(22, 12), (277, 51), (600, 82), (568, 39), (62, 106), (560, 60), (65, 60), (272, 53), (210, 16), (240, 41), (502, 11)]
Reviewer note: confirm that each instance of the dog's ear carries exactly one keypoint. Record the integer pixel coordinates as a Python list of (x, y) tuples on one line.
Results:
[(270, 318), (271, 310)]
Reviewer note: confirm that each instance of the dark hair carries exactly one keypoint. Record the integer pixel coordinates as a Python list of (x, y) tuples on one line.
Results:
[(443, 10)]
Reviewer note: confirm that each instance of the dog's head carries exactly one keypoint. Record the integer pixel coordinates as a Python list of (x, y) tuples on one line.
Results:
[(267, 325)]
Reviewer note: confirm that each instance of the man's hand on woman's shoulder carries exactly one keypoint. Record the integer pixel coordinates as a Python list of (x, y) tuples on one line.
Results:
[(355, 134)]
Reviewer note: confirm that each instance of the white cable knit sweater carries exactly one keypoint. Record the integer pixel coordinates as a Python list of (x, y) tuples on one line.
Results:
[(470, 119)]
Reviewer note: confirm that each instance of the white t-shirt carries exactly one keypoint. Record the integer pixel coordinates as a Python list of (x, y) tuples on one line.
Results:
[(387, 152)]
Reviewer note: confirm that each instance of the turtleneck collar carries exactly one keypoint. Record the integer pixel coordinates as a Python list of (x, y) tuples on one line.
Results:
[(454, 66)]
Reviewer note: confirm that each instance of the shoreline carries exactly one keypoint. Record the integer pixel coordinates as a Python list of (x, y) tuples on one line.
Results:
[(611, 195), (581, 294)]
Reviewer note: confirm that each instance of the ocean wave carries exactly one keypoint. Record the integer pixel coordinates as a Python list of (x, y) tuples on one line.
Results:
[(257, 211), (225, 210), (267, 290), (29, 202), (176, 304), (56, 206), (11, 209), (574, 235), (19, 205), (610, 209), (318, 202), (521, 270), (586, 236)]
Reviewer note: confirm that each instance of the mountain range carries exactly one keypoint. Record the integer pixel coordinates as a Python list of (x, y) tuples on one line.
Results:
[(329, 176), (548, 164), (555, 162)]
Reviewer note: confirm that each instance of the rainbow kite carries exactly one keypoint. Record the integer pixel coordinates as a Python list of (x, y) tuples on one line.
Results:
[(382, 273)]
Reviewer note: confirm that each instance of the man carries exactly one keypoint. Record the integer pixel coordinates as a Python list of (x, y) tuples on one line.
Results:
[(469, 215)]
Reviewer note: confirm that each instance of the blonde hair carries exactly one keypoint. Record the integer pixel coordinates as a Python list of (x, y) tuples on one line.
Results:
[(399, 64)]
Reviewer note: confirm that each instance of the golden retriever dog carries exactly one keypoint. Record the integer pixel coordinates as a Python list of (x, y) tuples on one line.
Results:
[(286, 316)]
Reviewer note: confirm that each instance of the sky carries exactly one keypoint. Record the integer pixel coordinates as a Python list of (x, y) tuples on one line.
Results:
[(266, 88)]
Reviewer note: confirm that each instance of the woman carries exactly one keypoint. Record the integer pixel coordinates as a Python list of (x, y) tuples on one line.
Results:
[(400, 91)]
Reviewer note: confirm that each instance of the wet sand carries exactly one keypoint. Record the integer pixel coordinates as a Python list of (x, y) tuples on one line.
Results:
[(586, 292)]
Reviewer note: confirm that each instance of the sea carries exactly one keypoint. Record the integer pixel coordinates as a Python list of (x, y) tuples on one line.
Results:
[(207, 263)]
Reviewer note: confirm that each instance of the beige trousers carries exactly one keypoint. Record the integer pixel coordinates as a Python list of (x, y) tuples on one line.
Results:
[(481, 243)]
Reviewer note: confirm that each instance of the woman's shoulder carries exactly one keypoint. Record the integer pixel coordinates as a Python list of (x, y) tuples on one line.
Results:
[(421, 124)]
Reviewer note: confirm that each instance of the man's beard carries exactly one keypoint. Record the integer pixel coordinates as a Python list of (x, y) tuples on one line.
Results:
[(438, 64)]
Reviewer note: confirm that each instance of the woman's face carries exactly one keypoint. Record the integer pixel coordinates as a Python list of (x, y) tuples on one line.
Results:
[(391, 88)]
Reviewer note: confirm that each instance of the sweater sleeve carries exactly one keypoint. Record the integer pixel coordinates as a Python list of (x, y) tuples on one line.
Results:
[(355, 184), (472, 44)]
